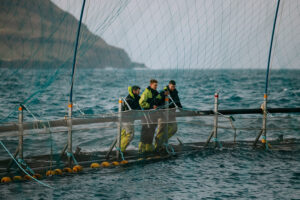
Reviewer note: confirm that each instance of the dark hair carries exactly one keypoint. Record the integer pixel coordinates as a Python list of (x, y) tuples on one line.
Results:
[(153, 81), (135, 87), (172, 82)]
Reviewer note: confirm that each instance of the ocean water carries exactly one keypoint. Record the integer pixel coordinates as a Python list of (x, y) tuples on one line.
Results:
[(240, 173)]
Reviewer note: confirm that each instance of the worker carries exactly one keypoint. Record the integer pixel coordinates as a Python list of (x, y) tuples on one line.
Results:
[(131, 103), (161, 139), (149, 100)]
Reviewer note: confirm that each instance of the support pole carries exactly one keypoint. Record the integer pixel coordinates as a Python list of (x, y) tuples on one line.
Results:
[(216, 119), (264, 128), (166, 120), (69, 121), (214, 134), (264, 125), (119, 129), (263, 131), (21, 132), (71, 90), (111, 148)]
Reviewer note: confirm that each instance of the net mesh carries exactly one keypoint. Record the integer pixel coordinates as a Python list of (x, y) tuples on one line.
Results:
[(197, 43)]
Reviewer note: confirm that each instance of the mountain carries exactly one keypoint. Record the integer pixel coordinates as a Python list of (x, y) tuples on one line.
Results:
[(37, 33)]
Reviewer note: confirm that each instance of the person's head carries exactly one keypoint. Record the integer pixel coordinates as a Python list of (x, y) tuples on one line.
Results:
[(172, 85), (136, 90), (153, 84)]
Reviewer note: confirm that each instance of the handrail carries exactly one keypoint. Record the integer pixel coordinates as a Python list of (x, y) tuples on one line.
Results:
[(80, 121)]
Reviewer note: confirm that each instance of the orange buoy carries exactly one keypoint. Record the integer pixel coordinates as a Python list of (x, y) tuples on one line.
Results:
[(6, 180), (124, 162), (67, 170), (115, 163), (17, 178), (105, 164), (77, 168), (95, 165), (27, 178), (58, 172), (37, 176), (263, 141), (50, 173)]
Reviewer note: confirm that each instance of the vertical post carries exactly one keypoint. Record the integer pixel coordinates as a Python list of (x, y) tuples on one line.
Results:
[(70, 107), (264, 128), (72, 83), (119, 129), (20, 124), (166, 120), (216, 119)]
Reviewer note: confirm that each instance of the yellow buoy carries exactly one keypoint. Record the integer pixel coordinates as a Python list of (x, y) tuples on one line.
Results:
[(67, 170), (58, 172), (27, 178), (105, 164), (17, 178), (124, 162), (77, 168), (6, 180), (95, 165), (50, 173), (115, 163), (37, 176)]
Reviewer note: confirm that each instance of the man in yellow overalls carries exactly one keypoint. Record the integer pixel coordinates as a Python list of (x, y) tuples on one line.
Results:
[(161, 137), (132, 103), (149, 100)]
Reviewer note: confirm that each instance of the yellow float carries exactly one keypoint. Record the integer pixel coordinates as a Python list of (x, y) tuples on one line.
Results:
[(17, 178), (115, 163), (6, 180), (105, 164), (124, 162), (50, 173), (58, 172), (27, 178), (95, 165), (77, 168), (37, 176), (67, 170)]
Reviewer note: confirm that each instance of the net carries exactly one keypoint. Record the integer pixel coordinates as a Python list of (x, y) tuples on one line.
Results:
[(206, 46)]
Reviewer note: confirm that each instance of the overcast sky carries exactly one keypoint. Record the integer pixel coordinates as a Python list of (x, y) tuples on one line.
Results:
[(203, 34)]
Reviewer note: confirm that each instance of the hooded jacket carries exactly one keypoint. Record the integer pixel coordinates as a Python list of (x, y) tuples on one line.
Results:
[(132, 100), (149, 98), (174, 96)]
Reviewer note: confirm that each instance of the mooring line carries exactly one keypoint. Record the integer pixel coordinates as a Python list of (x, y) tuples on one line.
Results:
[(40, 182)]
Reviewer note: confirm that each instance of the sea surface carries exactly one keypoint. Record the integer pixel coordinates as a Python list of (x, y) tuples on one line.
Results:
[(237, 173)]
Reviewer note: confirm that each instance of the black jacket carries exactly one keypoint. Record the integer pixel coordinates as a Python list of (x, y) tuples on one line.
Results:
[(174, 96), (132, 100)]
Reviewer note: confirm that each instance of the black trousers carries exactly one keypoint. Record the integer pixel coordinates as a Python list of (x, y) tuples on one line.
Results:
[(148, 128)]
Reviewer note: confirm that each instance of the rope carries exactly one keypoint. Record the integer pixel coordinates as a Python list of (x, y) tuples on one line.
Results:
[(82, 113), (22, 162), (51, 145), (69, 154), (40, 182), (122, 156), (266, 144), (217, 141), (27, 109), (167, 149)]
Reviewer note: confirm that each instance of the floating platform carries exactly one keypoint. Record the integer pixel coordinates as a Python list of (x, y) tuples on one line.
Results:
[(40, 164)]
